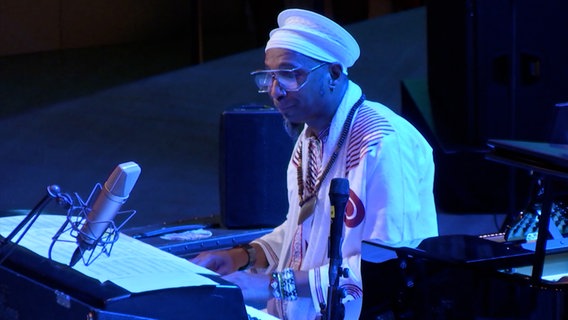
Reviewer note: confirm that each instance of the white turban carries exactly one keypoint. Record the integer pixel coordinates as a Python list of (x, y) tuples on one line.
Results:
[(315, 36)]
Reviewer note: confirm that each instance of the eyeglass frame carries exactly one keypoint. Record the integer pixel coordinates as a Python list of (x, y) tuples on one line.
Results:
[(273, 76)]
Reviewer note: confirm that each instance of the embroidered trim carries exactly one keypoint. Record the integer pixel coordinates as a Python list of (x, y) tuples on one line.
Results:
[(368, 129)]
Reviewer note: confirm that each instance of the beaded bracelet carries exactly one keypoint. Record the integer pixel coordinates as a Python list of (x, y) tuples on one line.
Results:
[(283, 285)]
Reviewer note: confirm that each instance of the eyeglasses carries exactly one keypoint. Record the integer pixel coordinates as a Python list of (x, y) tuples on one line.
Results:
[(288, 79)]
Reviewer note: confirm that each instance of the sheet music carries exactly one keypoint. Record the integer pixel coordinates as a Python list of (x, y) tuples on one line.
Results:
[(554, 269), (132, 264), (258, 314)]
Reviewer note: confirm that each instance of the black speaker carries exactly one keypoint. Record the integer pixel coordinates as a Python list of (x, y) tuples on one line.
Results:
[(496, 68), (255, 151)]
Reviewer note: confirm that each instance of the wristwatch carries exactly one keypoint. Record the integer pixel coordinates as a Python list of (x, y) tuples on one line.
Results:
[(251, 254)]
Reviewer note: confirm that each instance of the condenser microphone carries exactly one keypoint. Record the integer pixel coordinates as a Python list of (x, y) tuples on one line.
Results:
[(112, 196)]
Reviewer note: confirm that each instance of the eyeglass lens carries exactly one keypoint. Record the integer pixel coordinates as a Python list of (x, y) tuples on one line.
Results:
[(286, 78), (289, 80)]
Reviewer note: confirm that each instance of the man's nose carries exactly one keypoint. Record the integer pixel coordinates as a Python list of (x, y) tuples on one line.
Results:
[(276, 91)]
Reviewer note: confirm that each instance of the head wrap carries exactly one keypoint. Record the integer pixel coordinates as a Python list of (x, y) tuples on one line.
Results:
[(315, 36)]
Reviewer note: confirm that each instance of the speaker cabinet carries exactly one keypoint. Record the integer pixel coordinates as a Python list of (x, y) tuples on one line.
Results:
[(255, 151), (496, 68)]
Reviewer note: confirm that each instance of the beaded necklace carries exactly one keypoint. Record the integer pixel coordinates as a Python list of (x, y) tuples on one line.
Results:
[(308, 205)]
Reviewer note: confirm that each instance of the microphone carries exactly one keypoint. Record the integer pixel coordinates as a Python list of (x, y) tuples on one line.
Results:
[(338, 197), (112, 196)]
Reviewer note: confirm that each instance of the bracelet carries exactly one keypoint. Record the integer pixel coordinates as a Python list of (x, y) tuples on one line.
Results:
[(251, 256), (283, 285)]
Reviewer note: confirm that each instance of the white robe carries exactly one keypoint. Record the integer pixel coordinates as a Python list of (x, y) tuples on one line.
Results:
[(390, 170)]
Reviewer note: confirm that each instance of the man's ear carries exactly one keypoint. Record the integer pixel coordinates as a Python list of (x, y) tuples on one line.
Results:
[(335, 71)]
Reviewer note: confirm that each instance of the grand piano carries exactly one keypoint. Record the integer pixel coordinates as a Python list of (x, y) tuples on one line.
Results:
[(485, 276)]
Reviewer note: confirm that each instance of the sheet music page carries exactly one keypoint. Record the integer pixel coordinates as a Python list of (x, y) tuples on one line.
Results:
[(132, 264), (259, 314)]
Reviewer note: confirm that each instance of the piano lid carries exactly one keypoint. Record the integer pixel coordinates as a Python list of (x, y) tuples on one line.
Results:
[(546, 157), (454, 249)]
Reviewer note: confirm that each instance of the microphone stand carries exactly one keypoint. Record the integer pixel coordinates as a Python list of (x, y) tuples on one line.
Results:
[(339, 195), (77, 216), (53, 192)]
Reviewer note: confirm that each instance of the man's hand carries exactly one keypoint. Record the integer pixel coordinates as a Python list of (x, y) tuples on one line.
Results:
[(255, 286), (223, 262)]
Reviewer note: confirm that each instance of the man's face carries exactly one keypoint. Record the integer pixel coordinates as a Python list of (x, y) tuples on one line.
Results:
[(309, 102)]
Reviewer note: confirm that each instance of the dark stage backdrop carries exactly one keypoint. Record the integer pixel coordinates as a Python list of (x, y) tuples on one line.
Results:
[(496, 68), (88, 115)]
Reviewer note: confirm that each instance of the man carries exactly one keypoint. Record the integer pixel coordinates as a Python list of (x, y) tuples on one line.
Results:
[(386, 160)]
